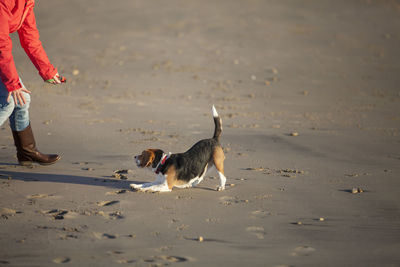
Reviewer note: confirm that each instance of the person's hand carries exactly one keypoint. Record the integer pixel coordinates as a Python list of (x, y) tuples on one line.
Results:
[(18, 96), (57, 79)]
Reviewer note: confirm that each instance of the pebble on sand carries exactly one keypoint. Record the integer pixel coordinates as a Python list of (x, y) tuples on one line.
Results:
[(356, 190), (294, 134), (75, 72)]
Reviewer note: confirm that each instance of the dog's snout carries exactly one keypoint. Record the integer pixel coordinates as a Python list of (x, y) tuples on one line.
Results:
[(137, 160)]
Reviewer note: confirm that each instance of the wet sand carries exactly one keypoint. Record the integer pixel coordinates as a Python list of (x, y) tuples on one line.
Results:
[(310, 101)]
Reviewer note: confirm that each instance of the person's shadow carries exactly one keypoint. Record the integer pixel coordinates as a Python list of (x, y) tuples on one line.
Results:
[(71, 179)]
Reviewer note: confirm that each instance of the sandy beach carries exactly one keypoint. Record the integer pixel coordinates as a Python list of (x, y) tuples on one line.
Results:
[(309, 95)]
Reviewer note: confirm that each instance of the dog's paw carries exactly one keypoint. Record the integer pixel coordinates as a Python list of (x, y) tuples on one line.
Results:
[(136, 186), (221, 188)]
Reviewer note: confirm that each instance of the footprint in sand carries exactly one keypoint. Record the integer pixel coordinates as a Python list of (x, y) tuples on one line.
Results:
[(61, 260), (6, 212), (228, 200), (60, 214), (122, 191), (107, 203), (115, 215), (164, 260), (303, 251), (111, 215), (38, 196), (258, 231), (98, 235), (123, 171), (68, 236), (71, 215), (260, 213), (57, 214), (123, 261), (115, 252), (174, 258)]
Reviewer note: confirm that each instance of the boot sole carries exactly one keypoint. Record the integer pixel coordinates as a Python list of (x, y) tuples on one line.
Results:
[(30, 163)]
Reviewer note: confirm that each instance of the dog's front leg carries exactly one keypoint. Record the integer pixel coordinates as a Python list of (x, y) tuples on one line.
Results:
[(159, 180), (158, 188), (159, 185)]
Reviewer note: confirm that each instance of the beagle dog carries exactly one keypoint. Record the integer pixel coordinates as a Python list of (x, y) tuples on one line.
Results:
[(183, 170)]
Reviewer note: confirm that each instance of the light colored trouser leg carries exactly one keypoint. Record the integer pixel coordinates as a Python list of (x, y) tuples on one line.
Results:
[(18, 115)]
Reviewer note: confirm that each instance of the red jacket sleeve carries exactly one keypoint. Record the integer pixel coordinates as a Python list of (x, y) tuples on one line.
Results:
[(8, 71), (29, 38)]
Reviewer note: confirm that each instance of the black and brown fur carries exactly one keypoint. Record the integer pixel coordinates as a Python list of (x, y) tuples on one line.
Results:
[(185, 169)]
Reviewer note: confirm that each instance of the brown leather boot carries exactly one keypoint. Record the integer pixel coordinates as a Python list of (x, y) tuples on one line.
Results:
[(27, 152)]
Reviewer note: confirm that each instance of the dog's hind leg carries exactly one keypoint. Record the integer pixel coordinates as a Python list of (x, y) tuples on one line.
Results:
[(198, 180), (222, 181), (218, 158)]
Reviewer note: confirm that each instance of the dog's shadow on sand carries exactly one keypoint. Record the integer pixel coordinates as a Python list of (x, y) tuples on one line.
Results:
[(69, 179), (73, 179)]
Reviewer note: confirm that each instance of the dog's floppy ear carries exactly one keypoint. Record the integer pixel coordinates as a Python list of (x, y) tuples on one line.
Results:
[(158, 154), (147, 158)]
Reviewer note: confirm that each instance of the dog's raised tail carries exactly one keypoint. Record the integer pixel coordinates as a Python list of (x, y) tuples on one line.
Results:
[(218, 124)]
